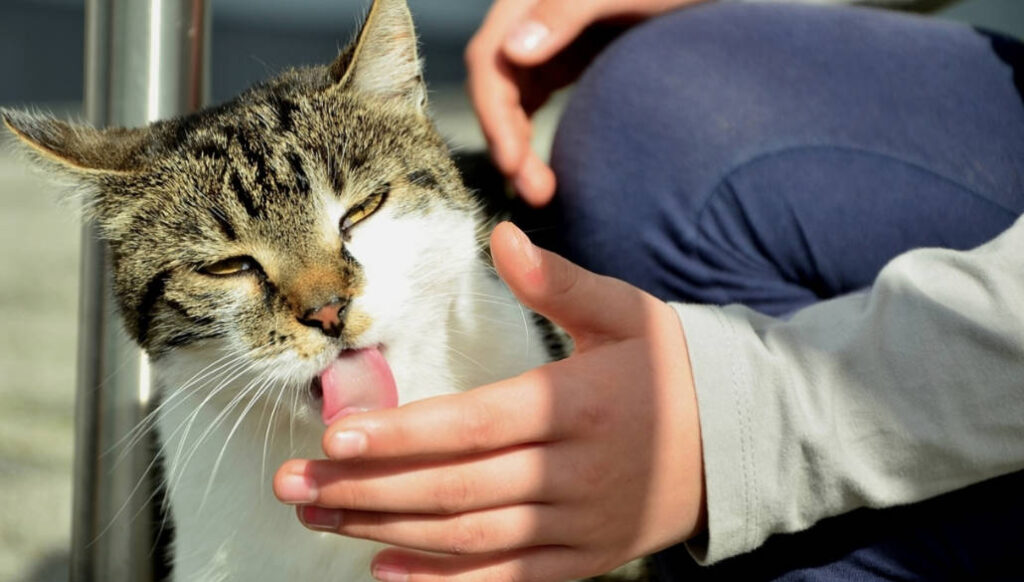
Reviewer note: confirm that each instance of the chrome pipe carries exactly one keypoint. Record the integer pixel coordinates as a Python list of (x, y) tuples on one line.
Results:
[(145, 60)]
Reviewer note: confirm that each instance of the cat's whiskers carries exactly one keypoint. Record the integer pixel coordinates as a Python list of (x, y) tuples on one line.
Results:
[(224, 377), (291, 420), (491, 299), (258, 385), (235, 361), (266, 437), (193, 416), (177, 397), (128, 499), (213, 426), (469, 359), (160, 452), (145, 473)]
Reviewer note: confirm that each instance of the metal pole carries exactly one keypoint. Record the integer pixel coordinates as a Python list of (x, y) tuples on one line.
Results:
[(145, 60)]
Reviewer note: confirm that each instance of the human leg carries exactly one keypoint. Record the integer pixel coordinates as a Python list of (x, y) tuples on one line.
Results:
[(778, 155)]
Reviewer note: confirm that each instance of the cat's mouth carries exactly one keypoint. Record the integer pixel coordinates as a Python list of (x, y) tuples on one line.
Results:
[(356, 381)]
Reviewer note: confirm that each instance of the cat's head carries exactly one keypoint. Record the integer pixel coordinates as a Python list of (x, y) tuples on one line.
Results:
[(316, 212)]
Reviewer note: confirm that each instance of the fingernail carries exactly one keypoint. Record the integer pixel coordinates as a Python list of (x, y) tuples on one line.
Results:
[(296, 489), (346, 444), (388, 573), (526, 37), (321, 518), (526, 248)]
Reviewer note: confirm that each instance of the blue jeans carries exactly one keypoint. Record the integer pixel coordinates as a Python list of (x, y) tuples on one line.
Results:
[(779, 155)]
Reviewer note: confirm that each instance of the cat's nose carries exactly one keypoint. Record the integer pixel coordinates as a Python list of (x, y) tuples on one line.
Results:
[(328, 317)]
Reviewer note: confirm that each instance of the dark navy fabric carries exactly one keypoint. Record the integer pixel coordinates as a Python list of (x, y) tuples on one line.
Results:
[(777, 155)]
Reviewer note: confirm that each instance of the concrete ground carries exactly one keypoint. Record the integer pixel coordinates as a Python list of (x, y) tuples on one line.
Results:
[(38, 329), (38, 320)]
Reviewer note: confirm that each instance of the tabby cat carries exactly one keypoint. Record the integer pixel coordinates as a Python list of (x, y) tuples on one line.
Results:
[(270, 254)]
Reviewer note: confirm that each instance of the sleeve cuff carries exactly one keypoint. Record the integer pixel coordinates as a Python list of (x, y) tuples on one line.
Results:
[(724, 397)]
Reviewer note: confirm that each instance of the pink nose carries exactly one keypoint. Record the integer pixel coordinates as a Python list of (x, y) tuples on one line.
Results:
[(327, 317)]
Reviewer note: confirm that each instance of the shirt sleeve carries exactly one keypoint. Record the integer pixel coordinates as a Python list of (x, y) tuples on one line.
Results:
[(910, 390)]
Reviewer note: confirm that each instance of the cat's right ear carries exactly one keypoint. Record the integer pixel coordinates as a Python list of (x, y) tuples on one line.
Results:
[(384, 59), (79, 151)]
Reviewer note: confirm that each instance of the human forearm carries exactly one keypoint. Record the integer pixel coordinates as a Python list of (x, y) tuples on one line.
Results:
[(871, 400)]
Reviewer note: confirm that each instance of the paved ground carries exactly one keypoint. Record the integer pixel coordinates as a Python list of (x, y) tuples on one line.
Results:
[(38, 320)]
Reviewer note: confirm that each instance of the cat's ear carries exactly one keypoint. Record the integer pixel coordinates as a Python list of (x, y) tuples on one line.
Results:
[(384, 60), (79, 150)]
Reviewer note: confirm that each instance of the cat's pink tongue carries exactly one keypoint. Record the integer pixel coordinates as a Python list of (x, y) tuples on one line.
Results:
[(357, 381)]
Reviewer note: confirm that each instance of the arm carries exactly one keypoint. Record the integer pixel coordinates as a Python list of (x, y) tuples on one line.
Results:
[(871, 400)]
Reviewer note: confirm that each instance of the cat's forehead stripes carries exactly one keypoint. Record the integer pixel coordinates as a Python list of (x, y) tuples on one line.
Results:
[(423, 178), (224, 224), (285, 109)]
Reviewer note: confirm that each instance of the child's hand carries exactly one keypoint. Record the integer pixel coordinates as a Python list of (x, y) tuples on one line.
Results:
[(566, 471), (524, 51)]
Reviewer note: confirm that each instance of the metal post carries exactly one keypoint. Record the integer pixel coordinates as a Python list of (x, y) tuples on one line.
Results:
[(145, 60)]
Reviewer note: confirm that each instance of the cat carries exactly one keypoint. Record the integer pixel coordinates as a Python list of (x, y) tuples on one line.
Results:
[(265, 253)]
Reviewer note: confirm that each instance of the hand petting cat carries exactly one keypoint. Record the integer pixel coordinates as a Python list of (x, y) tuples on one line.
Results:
[(526, 50), (565, 471)]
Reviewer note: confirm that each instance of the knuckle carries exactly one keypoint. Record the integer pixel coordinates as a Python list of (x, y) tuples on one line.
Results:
[(515, 572), (592, 474), (478, 427), (566, 281), (593, 417), (355, 497), (465, 536), (452, 495)]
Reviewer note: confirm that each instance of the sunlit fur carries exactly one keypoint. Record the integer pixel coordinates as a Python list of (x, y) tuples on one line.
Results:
[(270, 176)]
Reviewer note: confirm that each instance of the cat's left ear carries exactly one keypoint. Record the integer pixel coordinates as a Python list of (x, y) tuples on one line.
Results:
[(79, 151), (384, 60)]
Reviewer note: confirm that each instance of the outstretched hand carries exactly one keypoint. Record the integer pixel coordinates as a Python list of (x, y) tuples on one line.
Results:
[(524, 51), (565, 471)]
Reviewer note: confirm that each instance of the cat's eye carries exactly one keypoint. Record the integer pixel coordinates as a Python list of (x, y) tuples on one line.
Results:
[(232, 266), (364, 209)]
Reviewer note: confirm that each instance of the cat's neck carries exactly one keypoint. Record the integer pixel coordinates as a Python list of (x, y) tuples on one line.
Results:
[(492, 336)]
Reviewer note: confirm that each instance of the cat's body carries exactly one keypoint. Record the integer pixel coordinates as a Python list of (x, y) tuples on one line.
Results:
[(316, 218)]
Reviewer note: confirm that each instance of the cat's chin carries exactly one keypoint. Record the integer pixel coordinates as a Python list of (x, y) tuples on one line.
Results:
[(355, 381)]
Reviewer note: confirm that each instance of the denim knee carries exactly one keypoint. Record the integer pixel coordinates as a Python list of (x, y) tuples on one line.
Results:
[(648, 131), (674, 108)]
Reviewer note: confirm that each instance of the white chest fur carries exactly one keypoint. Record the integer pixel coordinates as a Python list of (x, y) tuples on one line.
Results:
[(228, 524)]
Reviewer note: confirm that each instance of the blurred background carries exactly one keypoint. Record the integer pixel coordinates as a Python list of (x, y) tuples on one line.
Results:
[(41, 66)]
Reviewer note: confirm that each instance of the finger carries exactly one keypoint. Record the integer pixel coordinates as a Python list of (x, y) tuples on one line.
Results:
[(481, 532), (496, 102), (535, 181), (592, 308), (479, 482), (548, 28), (485, 419), (493, 88), (538, 564)]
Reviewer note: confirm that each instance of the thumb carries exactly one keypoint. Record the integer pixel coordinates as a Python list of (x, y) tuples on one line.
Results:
[(548, 28), (590, 307)]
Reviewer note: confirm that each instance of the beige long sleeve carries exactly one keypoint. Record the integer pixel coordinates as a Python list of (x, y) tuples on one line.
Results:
[(892, 396)]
